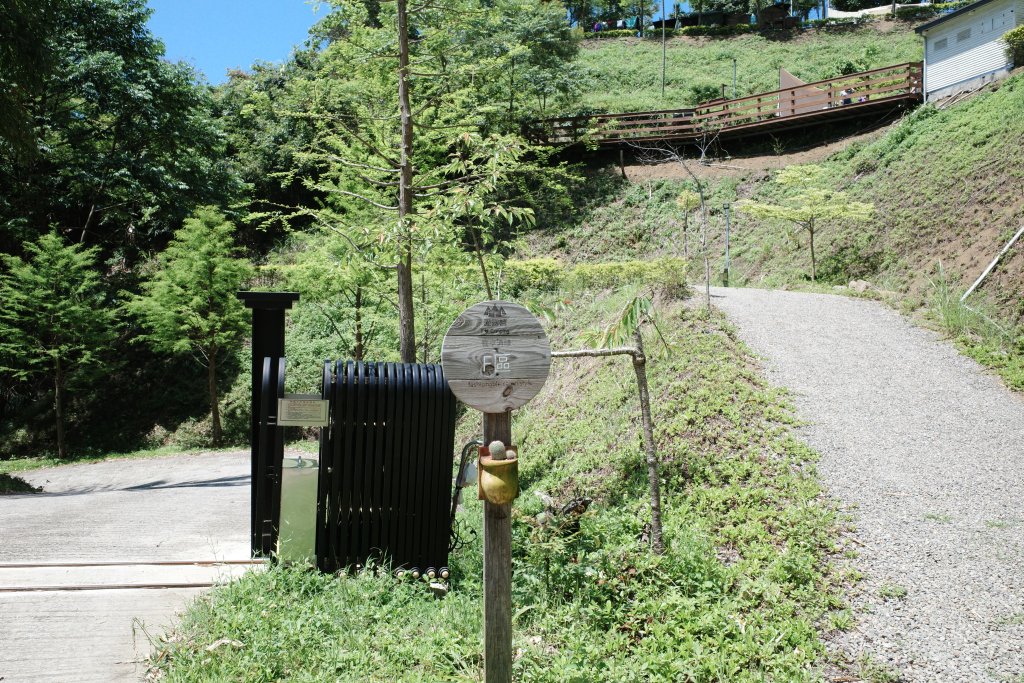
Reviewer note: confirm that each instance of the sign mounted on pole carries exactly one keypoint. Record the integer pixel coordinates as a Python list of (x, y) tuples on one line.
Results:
[(496, 356)]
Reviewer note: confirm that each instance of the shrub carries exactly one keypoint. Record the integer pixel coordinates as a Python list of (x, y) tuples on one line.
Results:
[(544, 274), (548, 274), (914, 13), (1014, 39), (655, 33), (853, 5)]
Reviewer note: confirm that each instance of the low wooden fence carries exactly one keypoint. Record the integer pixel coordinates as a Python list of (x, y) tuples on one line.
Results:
[(810, 103)]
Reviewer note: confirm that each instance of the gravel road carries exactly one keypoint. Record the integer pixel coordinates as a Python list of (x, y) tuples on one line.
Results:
[(926, 451), (185, 507)]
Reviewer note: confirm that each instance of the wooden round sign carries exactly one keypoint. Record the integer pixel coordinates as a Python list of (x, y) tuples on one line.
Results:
[(496, 356)]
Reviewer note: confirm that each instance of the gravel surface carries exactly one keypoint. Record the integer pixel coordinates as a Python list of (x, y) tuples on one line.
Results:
[(185, 507), (926, 451)]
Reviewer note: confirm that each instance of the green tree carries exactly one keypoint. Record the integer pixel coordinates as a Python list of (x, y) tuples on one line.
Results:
[(808, 204), (126, 147), (417, 140), (26, 58), (54, 319), (188, 303)]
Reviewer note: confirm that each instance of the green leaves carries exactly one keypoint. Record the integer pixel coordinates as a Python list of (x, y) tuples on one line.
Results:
[(54, 308), (809, 199), (54, 320), (188, 304), (125, 145)]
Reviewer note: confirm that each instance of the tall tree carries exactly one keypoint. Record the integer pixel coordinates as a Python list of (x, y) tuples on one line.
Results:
[(416, 132), (810, 202), (126, 146), (27, 56), (188, 304), (54, 320), (256, 110)]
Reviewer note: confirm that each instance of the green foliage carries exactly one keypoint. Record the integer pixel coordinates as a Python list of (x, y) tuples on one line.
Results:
[(26, 59), (126, 148), (914, 13), (55, 320), (549, 274), (1014, 39), (188, 304), (976, 332), (480, 71), (12, 484), (655, 33), (735, 597), (256, 110), (808, 203), (54, 308), (625, 75)]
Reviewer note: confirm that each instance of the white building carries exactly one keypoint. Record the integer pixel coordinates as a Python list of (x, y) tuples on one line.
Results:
[(964, 49)]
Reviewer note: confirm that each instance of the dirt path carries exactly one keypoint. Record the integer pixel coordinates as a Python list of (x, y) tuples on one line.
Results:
[(188, 507), (926, 451)]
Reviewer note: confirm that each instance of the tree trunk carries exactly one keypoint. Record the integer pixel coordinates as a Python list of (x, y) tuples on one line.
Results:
[(406, 319), (686, 246), (357, 353), (480, 259), (211, 378), (810, 229), (426, 326), (58, 409), (640, 367)]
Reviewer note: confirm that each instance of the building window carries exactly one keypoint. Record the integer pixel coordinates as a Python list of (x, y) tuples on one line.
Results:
[(941, 44), (963, 35)]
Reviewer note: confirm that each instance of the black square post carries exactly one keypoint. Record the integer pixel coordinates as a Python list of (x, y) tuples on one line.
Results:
[(267, 342)]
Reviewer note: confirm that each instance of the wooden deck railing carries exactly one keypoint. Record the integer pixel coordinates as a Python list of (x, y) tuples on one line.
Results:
[(812, 102)]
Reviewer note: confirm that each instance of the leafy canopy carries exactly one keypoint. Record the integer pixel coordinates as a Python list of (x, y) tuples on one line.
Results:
[(125, 144), (808, 200), (188, 304)]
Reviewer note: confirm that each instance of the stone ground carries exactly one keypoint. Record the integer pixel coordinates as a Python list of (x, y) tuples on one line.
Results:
[(925, 450), (184, 507)]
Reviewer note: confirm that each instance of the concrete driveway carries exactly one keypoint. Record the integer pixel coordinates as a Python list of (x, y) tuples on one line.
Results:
[(124, 513)]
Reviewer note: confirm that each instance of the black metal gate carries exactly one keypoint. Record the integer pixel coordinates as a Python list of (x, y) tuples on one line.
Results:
[(385, 466)]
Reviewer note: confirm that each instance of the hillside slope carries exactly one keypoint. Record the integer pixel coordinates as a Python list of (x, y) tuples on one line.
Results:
[(947, 186), (624, 74)]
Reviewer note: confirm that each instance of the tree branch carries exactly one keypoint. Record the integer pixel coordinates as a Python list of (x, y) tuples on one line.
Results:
[(598, 353)]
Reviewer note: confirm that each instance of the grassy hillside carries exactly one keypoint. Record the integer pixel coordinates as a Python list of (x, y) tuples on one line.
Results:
[(624, 74), (742, 594), (948, 188)]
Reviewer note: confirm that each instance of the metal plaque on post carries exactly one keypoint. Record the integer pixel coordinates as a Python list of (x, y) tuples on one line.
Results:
[(302, 410), (496, 356)]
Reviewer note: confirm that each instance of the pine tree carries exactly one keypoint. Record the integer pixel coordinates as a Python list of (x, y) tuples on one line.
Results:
[(188, 304), (54, 319)]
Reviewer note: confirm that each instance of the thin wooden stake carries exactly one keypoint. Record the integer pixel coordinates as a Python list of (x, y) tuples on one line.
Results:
[(497, 569)]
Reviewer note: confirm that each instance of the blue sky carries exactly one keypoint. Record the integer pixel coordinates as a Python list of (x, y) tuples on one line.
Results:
[(217, 35)]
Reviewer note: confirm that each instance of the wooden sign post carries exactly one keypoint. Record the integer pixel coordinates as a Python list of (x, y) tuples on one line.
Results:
[(496, 357)]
